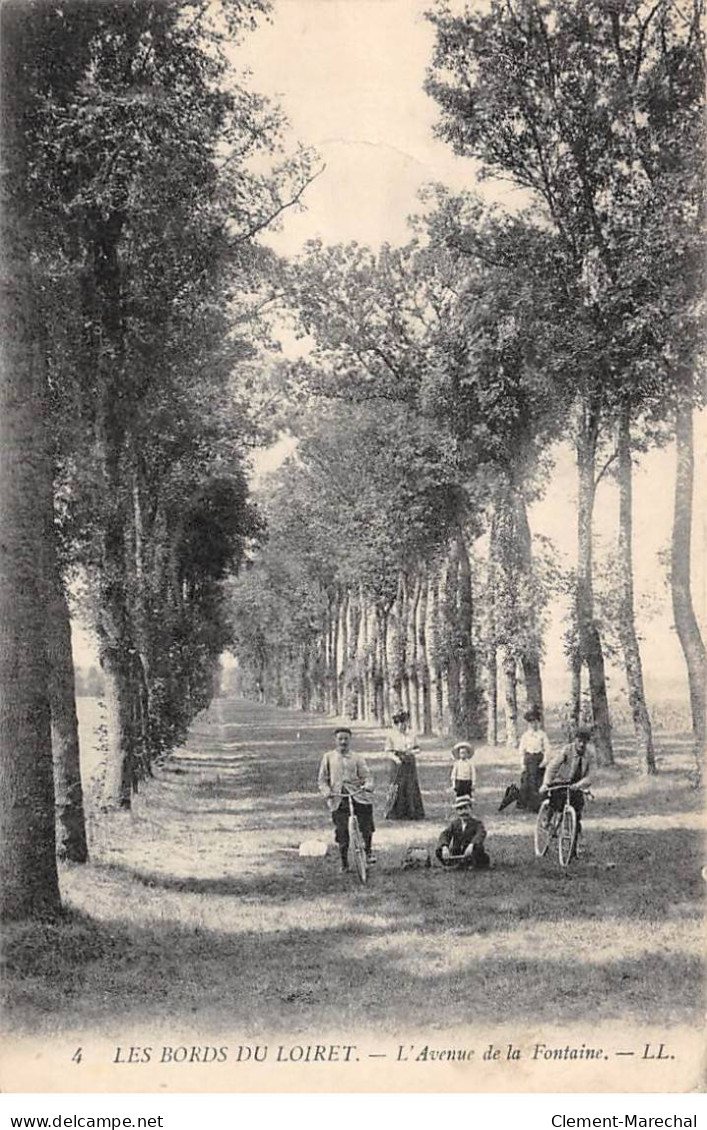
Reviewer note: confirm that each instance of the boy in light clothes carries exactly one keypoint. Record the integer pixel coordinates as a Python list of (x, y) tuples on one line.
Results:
[(463, 770)]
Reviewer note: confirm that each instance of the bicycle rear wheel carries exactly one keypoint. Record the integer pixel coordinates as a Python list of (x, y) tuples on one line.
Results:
[(357, 848), (543, 829), (568, 835)]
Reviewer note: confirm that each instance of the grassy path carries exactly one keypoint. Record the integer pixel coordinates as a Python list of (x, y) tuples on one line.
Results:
[(197, 914)]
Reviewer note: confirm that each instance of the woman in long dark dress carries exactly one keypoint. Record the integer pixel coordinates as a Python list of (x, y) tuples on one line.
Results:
[(404, 796), (534, 748)]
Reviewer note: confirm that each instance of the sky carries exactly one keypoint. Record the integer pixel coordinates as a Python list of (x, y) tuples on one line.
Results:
[(349, 75)]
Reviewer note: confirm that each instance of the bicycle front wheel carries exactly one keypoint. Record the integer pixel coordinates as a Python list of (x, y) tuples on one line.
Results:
[(358, 849), (543, 830), (568, 835)]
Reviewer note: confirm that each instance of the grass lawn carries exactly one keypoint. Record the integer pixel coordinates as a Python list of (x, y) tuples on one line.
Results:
[(196, 913)]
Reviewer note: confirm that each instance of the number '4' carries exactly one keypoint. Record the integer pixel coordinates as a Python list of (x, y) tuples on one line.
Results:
[(77, 1056)]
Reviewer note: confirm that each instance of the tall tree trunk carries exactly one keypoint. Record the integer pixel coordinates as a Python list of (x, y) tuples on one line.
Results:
[(424, 678), (424, 663), (361, 660), (325, 660), (343, 652), (384, 643), (370, 656), (510, 691), (120, 775), (334, 652), (114, 629), (402, 658), (353, 707), (532, 679), (530, 656), (28, 876), (377, 664), (140, 619), (685, 621), (411, 653), (71, 824), (318, 668), (491, 692), (576, 688), (435, 633), (470, 697), (627, 625), (115, 646), (331, 656), (589, 640), (29, 886), (396, 649), (304, 677), (450, 604), (491, 635)]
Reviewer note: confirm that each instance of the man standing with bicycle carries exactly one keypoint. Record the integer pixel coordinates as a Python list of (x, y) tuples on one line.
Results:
[(571, 767), (341, 773)]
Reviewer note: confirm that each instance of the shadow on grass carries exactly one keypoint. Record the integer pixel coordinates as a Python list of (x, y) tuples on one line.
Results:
[(188, 920), (107, 975), (620, 875)]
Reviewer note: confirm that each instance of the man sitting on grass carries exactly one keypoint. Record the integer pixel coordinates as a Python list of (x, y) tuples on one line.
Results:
[(461, 843)]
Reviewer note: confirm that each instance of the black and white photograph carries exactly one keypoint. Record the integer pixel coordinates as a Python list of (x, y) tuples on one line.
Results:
[(353, 447)]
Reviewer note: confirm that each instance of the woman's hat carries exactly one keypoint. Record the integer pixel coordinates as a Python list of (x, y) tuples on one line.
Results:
[(401, 716)]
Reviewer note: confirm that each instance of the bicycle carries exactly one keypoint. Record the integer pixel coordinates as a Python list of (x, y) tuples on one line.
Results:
[(356, 844), (560, 825)]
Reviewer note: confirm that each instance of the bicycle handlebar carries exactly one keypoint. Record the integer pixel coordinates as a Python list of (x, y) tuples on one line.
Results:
[(353, 794), (551, 788)]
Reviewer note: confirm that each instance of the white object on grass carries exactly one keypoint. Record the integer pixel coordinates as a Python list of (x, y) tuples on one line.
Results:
[(313, 849)]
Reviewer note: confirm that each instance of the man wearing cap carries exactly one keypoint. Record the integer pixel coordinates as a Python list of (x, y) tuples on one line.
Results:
[(341, 772), (572, 766), (461, 843)]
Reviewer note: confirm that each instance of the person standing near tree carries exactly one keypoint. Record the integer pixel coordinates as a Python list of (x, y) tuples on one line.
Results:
[(342, 772), (404, 796), (535, 751)]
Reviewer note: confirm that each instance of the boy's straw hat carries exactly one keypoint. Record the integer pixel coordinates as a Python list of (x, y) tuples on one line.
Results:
[(463, 745)]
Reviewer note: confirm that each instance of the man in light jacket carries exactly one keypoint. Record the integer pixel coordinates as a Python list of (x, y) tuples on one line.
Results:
[(341, 772)]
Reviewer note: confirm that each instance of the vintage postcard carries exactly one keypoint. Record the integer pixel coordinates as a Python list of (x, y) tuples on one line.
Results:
[(359, 344)]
